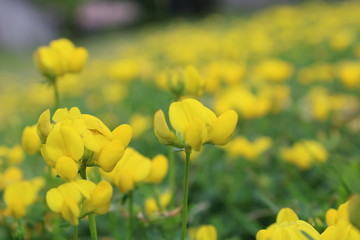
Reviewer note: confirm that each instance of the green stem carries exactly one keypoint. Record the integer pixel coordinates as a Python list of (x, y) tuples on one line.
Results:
[(76, 233), (186, 193), (56, 94), (131, 216), (20, 230), (83, 170), (172, 175), (92, 221), (92, 224)]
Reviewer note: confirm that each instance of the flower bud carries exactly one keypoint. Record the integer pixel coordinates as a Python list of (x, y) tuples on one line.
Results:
[(30, 140), (44, 126)]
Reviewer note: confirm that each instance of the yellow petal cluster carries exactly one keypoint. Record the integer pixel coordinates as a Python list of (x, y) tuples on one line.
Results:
[(305, 153), (152, 205), (288, 227), (20, 195), (338, 221), (9, 176), (187, 82), (30, 140), (194, 125), (204, 232), (79, 198), (139, 124), (242, 147), (133, 168), (12, 155), (75, 137), (159, 169), (59, 58)]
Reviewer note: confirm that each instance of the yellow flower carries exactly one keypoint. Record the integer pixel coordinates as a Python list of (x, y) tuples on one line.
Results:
[(152, 207), (19, 196), (274, 70), (11, 175), (349, 74), (79, 197), (184, 82), (240, 146), (194, 125), (100, 198), (159, 169), (139, 124), (206, 232), (288, 227), (304, 153), (77, 137), (132, 169), (194, 84), (30, 140), (15, 155), (338, 221), (59, 58)]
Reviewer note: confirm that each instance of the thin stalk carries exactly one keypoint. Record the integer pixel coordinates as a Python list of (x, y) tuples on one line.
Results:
[(186, 193), (56, 94), (172, 175), (92, 224), (20, 230), (76, 233), (92, 221), (83, 170), (131, 216)]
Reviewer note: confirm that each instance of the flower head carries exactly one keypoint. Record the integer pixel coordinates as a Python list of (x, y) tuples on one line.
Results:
[(194, 125), (79, 198), (288, 227), (59, 58), (75, 137)]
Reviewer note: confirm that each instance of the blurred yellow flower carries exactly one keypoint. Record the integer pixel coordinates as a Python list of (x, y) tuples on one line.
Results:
[(133, 168), (139, 124), (288, 227), (59, 58), (242, 147), (15, 155), (338, 221), (204, 232), (349, 74), (274, 70), (305, 153), (30, 140), (20, 195), (9, 176), (151, 205), (159, 169)]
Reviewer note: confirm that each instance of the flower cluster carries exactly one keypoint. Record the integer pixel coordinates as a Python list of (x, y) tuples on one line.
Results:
[(76, 139), (78, 198), (194, 125), (59, 58)]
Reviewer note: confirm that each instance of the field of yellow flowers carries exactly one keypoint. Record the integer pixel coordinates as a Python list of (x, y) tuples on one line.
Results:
[(229, 128)]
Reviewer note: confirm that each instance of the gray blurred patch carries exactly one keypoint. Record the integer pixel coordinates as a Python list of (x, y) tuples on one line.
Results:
[(23, 26), (104, 14)]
